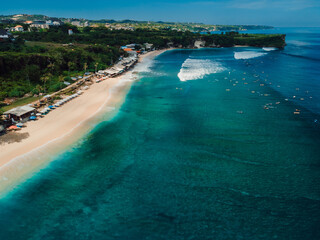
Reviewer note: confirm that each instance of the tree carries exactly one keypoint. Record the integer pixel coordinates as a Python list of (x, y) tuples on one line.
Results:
[(39, 89), (96, 66), (85, 66), (45, 78)]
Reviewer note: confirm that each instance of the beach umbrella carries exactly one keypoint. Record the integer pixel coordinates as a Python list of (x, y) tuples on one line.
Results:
[(13, 127), (51, 107), (33, 118), (39, 114)]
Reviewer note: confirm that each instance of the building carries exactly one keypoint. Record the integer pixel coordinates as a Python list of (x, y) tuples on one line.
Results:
[(20, 114), (76, 23), (132, 45), (56, 23), (148, 46), (40, 25), (3, 34), (70, 32), (17, 28)]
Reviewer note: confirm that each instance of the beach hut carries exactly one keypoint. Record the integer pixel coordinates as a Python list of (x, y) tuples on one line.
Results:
[(20, 114)]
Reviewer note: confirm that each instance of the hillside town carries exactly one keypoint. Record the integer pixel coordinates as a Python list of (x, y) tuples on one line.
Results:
[(38, 22)]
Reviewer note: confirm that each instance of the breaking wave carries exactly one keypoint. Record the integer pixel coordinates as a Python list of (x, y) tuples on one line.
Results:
[(248, 55), (193, 69), (268, 49)]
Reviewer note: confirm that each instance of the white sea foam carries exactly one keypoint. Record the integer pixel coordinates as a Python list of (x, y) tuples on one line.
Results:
[(248, 54), (193, 69), (145, 66), (268, 49)]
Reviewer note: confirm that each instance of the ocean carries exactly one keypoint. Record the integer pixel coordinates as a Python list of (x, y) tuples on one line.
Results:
[(209, 144)]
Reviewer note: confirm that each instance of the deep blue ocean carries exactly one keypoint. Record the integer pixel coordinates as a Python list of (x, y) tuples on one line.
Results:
[(209, 144)]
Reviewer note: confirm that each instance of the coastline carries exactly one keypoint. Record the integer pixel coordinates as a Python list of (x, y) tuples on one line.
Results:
[(51, 135)]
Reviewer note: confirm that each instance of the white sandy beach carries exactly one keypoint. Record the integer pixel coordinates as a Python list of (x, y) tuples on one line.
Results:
[(62, 127)]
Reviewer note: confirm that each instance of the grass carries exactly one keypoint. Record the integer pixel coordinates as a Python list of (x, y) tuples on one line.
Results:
[(19, 102)]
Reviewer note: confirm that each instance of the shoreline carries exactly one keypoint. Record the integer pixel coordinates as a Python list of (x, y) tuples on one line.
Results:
[(64, 126)]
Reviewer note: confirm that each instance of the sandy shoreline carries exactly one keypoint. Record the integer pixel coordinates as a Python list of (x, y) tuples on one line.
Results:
[(62, 127)]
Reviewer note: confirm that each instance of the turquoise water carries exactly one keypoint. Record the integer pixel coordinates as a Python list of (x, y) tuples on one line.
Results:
[(206, 146)]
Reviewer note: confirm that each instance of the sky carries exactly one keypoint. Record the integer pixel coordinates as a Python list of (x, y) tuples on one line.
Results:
[(278, 13)]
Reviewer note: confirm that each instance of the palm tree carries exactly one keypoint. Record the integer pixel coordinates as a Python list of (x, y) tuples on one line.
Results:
[(61, 80), (51, 67), (69, 66), (85, 66), (45, 79), (95, 66), (39, 89)]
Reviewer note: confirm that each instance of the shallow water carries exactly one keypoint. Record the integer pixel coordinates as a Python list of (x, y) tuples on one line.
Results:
[(206, 146)]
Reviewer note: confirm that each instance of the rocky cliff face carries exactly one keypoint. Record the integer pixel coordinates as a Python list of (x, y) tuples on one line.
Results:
[(199, 44)]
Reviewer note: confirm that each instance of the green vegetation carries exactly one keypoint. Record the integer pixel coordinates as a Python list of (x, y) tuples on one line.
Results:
[(43, 67), (159, 38), (230, 39)]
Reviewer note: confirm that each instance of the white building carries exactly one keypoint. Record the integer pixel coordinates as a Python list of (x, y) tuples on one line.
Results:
[(76, 23), (39, 24), (17, 28)]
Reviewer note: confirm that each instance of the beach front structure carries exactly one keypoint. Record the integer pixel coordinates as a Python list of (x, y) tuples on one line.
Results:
[(20, 114), (148, 46)]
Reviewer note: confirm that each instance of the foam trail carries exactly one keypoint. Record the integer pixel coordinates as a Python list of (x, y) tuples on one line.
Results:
[(193, 69), (248, 55), (298, 43)]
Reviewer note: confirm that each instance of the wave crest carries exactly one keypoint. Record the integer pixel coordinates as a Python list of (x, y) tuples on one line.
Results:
[(268, 49), (248, 55), (193, 69)]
